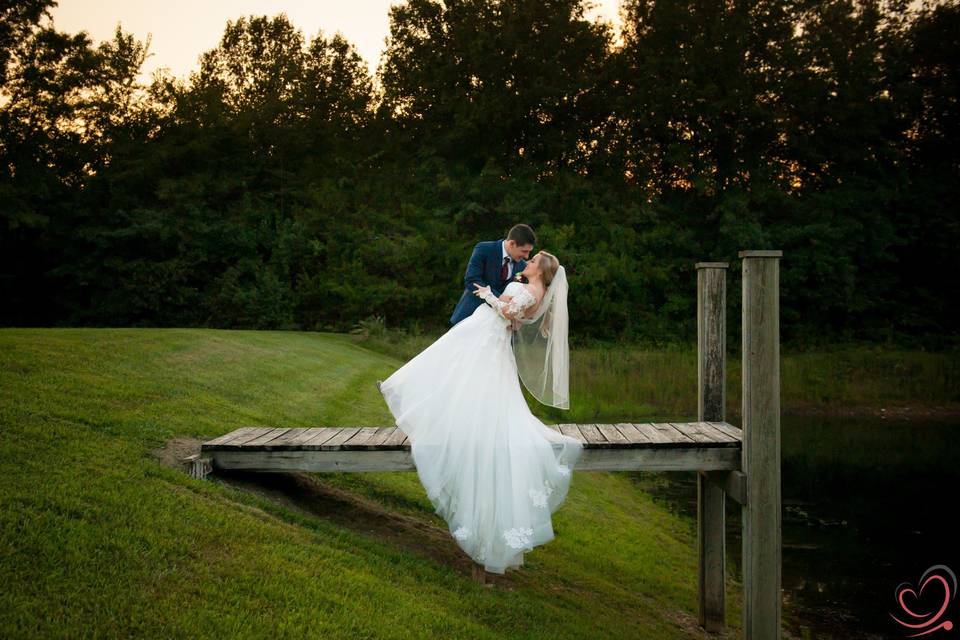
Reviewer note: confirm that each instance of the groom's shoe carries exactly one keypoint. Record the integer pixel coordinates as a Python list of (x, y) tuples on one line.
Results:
[(379, 382)]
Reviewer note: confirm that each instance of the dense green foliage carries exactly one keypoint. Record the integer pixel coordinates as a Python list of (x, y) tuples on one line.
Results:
[(283, 185)]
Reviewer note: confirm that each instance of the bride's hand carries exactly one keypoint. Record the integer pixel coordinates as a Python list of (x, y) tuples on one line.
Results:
[(481, 290)]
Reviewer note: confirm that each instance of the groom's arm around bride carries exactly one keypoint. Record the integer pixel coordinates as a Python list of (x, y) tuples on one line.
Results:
[(489, 262)]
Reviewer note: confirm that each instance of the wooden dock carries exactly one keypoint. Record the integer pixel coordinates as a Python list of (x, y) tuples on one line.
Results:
[(743, 465), (663, 446)]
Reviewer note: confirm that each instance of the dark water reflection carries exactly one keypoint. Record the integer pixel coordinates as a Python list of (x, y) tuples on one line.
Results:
[(867, 504)]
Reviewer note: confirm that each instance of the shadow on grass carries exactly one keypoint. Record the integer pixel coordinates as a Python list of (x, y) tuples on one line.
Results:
[(306, 494)]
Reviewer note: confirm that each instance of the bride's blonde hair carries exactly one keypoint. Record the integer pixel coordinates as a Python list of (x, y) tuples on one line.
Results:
[(548, 267)]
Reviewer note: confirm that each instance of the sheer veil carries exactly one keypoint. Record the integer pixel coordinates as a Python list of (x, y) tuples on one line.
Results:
[(540, 346)]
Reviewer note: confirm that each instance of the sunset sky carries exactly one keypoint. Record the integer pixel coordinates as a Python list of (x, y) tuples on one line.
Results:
[(183, 29)]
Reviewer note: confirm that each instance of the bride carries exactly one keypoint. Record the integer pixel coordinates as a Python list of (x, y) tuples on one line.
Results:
[(492, 470)]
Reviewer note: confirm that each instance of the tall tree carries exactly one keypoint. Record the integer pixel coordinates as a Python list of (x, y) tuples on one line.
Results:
[(512, 81)]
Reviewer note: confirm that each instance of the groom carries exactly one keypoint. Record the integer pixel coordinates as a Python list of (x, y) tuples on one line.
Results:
[(494, 263)]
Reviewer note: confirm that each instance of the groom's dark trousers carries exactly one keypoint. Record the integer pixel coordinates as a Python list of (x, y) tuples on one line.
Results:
[(483, 269)]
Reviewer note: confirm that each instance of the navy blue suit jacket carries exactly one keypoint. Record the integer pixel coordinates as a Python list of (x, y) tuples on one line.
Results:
[(483, 269)]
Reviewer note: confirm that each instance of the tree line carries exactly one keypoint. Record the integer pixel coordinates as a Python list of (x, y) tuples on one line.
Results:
[(285, 185)]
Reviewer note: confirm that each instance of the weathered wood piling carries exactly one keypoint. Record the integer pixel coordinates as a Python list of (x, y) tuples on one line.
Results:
[(762, 595), (756, 484)]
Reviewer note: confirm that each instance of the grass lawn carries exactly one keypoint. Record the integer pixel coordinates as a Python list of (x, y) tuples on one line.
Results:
[(100, 537)]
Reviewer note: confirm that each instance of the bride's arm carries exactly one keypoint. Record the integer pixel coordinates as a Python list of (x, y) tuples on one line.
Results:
[(509, 307), (517, 307), (484, 293)]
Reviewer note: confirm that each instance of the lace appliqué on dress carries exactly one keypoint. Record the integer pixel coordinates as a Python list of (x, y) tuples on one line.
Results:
[(539, 496), (518, 537), (462, 533)]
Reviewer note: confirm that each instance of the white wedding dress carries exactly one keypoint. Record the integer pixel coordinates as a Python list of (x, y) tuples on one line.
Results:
[(492, 470)]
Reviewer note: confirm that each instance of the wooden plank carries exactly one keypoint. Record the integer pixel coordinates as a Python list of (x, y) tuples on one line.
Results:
[(323, 435), (659, 459), (241, 439), (253, 434), (592, 459), (376, 440), (632, 434), (654, 434), (717, 434), (345, 434), (395, 438), (319, 460), (727, 428), (296, 436), (592, 435), (360, 438), (675, 435), (293, 438), (572, 431), (231, 435), (267, 437), (692, 430), (611, 433)]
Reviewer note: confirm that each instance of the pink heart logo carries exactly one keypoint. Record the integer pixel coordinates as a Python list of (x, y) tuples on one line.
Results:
[(923, 622)]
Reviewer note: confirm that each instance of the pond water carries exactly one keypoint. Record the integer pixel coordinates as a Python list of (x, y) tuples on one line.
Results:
[(867, 505)]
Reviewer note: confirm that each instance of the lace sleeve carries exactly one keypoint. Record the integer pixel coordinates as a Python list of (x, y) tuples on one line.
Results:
[(520, 303)]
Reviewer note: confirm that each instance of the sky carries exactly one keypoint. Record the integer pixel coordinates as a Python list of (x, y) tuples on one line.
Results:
[(183, 29)]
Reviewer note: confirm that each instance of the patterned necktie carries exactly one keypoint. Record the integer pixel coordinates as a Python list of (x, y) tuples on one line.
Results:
[(505, 269)]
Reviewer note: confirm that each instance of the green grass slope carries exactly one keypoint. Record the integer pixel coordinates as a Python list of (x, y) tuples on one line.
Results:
[(99, 537)]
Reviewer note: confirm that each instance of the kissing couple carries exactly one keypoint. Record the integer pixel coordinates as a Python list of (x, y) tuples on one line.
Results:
[(492, 470)]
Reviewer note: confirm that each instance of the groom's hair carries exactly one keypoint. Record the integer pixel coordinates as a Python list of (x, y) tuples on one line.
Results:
[(522, 234)]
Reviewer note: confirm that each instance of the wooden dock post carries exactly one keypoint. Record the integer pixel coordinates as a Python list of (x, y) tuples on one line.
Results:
[(762, 598), (711, 407)]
